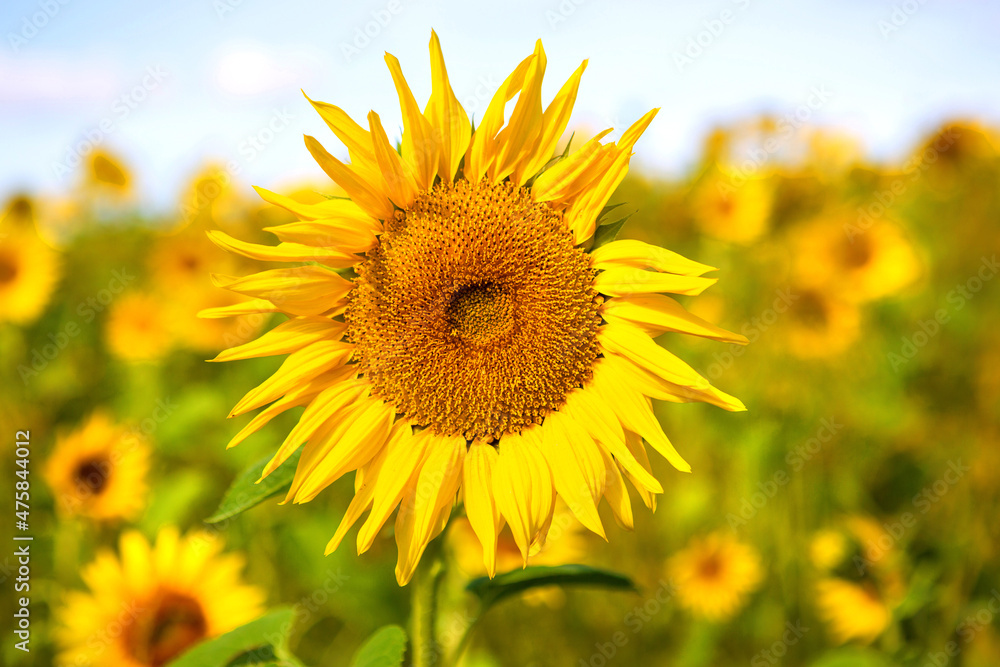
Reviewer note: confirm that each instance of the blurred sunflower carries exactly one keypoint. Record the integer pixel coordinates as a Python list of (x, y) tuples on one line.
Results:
[(138, 328), (714, 575), (819, 324), (482, 347), (860, 261), (852, 610), (107, 172), (731, 206), (99, 470), (29, 272), (828, 549), (165, 598)]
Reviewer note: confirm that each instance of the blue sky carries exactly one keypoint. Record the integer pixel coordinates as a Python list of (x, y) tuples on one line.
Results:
[(171, 85)]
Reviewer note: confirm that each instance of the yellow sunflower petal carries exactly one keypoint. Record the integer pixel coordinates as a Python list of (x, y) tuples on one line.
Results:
[(399, 182), (446, 116), (332, 208), (404, 454), (362, 500), (361, 191), (617, 494), (600, 421), (480, 504), (303, 290), (524, 492), (518, 140), (625, 280), (582, 214), (420, 145), (567, 177), (637, 347), (251, 307), (320, 413), (357, 140), (656, 314), (636, 413), (286, 338), (639, 255), (284, 252), (483, 147), (341, 233), (554, 122), (347, 448), (577, 468), (634, 443), (300, 366)]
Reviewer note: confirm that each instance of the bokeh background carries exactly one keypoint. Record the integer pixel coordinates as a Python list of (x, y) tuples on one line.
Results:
[(838, 162)]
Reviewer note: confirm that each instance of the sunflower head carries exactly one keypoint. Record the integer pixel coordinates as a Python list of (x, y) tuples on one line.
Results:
[(99, 470), (464, 325), (137, 329), (714, 575), (29, 271), (165, 598)]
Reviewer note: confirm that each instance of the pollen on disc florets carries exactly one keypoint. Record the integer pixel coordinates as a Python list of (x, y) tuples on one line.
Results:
[(475, 314)]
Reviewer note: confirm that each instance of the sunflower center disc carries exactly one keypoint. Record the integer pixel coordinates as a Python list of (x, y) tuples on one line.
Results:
[(476, 314)]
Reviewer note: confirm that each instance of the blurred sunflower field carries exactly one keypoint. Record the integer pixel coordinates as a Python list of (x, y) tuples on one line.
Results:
[(848, 517)]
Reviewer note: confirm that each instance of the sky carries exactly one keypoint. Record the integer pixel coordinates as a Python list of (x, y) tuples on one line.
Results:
[(171, 85)]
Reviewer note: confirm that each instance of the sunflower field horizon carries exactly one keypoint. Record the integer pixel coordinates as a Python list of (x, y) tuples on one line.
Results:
[(616, 335)]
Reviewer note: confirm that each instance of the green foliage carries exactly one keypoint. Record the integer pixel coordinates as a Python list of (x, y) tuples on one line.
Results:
[(384, 648), (256, 643), (490, 591), (246, 492)]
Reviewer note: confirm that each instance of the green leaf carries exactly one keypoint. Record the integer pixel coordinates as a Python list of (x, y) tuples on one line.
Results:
[(608, 232), (384, 648), (569, 142), (511, 583), (602, 217), (852, 657), (323, 194), (244, 492), (256, 643)]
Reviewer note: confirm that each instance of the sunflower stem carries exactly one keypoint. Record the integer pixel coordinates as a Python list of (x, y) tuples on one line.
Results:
[(423, 612)]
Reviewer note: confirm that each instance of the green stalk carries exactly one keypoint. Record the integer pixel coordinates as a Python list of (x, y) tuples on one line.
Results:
[(423, 611)]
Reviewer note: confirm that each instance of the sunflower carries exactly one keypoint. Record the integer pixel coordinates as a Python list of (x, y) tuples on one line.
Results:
[(153, 603), (860, 259), (137, 329), (29, 271), (486, 341), (820, 324), (714, 575), (732, 206), (99, 470), (852, 610)]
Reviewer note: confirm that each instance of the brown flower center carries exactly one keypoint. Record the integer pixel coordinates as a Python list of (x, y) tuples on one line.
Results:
[(8, 268), (476, 314), (165, 628), (92, 475)]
